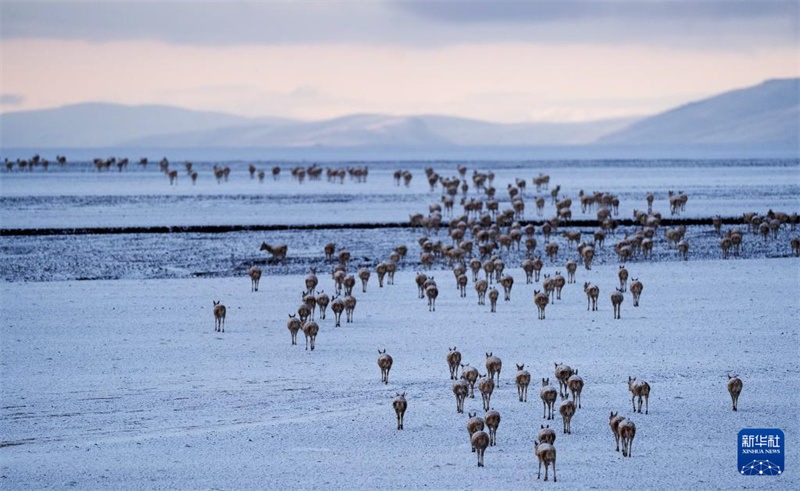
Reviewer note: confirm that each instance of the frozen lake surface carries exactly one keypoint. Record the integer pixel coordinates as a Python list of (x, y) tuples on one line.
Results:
[(78, 196)]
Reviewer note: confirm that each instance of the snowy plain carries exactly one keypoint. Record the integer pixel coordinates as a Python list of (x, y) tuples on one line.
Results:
[(124, 384), (121, 383)]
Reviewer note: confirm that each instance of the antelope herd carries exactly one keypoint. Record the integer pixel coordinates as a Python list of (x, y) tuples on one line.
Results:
[(484, 241)]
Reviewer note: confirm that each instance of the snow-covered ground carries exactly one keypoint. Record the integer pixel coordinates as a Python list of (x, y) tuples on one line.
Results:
[(124, 384), (80, 197)]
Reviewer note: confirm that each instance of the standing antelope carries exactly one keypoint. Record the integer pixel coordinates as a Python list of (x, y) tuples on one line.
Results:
[(474, 424), (640, 389), (626, 430), (623, 278), (349, 307), (592, 294), (575, 384), (462, 282), (546, 454), (431, 292), (613, 421), (562, 373), (616, 301), (523, 379), (558, 282), (486, 386), (363, 274), (310, 329), (548, 395), (322, 302), (311, 280), (385, 364), (453, 360), (400, 404), (493, 296), (470, 374), (420, 280), (481, 286), (255, 277), (508, 282), (571, 267), (219, 316), (480, 440), (493, 366), (293, 325), (337, 306), (541, 300), (735, 388), (567, 410), (460, 390), (492, 419), (636, 290)]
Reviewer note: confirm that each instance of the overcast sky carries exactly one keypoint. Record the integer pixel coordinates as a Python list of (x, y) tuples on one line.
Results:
[(501, 61)]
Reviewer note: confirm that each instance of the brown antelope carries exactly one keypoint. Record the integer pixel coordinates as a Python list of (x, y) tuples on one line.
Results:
[(549, 287), (349, 307), (551, 249), (626, 430), (470, 374), (453, 361), (474, 424), (329, 250), (548, 394), (546, 435), (310, 329), (623, 279), (492, 419), (541, 300), (385, 364), (558, 282), (462, 282), (493, 366), (481, 286), (337, 306), (293, 325), (636, 290), (640, 389), (219, 316), (546, 454), (493, 296), (363, 275), (431, 291), (571, 267), (527, 266), (725, 245), (480, 440), (735, 388), (508, 282), (592, 294), (613, 421), (420, 280), (322, 302), (575, 384), (460, 390), (562, 373), (567, 410), (538, 264), (616, 301), (683, 249), (303, 311), (311, 280), (588, 256), (486, 387), (278, 252), (310, 301), (348, 283), (380, 270), (523, 379), (173, 177), (255, 277), (400, 404)]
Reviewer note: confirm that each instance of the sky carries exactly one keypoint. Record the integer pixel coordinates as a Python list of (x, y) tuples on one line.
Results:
[(504, 61)]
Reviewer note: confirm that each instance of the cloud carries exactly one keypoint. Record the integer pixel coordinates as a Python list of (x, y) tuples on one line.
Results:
[(11, 99), (726, 24)]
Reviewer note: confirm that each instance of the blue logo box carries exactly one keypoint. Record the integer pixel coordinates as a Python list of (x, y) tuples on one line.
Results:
[(761, 452)]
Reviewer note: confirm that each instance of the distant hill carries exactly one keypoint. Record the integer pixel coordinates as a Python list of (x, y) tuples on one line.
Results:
[(759, 117), (768, 113), (377, 130), (101, 124)]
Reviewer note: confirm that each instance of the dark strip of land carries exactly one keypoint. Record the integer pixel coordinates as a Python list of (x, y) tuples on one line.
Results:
[(217, 229)]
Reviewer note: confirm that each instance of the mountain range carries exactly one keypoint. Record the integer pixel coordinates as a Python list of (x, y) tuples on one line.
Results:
[(766, 114)]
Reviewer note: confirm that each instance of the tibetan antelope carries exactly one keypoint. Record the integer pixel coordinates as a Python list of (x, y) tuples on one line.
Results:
[(548, 395), (255, 277), (636, 290), (486, 387), (562, 373), (453, 361), (480, 440), (470, 374), (492, 419), (541, 301), (385, 364), (592, 294), (640, 389), (219, 316), (474, 424), (616, 301), (546, 454), (523, 379), (567, 410), (575, 384), (310, 329), (400, 404), (294, 326), (735, 388)]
